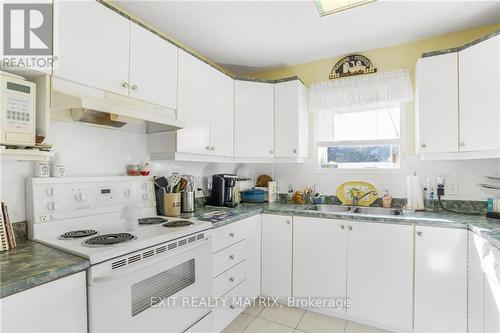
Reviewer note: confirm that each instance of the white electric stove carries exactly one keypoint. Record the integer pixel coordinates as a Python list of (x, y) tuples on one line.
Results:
[(133, 267)]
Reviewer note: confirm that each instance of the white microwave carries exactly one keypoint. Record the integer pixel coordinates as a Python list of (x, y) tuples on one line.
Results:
[(18, 111)]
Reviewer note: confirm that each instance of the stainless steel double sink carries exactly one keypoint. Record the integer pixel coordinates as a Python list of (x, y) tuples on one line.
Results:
[(355, 210)]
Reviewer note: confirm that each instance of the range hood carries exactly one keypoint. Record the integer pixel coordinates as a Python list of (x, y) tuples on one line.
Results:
[(105, 108)]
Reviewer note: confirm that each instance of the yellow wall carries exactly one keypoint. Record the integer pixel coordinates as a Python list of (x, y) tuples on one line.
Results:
[(402, 56)]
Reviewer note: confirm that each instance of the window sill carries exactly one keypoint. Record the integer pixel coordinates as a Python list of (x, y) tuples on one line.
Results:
[(398, 171)]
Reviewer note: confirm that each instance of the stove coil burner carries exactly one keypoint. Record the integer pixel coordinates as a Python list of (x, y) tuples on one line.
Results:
[(109, 239), (151, 220), (178, 223), (77, 234)]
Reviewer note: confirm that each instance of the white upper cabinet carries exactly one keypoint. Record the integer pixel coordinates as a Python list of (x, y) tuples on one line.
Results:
[(153, 68), (193, 105), (221, 113), (322, 274), (437, 103), (380, 267), (254, 119), (91, 43), (291, 119), (276, 256), (480, 96), (440, 280)]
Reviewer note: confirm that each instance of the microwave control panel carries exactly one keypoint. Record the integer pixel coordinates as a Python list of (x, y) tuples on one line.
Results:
[(18, 115)]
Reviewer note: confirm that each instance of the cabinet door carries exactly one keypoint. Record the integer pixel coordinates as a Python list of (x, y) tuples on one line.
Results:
[(479, 97), (491, 266), (475, 283), (380, 273), (254, 119), (253, 251), (286, 117), (440, 280), (194, 105), (277, 256), (319, 258), (437, 103), (91, 45), (153, 68), (57, 306), (221, 113)]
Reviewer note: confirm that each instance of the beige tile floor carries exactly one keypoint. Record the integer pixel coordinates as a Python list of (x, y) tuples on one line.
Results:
[(292, 320)]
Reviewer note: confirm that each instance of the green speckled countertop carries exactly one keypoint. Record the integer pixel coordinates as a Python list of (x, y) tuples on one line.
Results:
[(486, 227), (31, 264)]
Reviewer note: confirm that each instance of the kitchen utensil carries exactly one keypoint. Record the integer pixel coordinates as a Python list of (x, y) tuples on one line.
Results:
[(263, 180), (161, 182), (489, 186), (255, 196), (173, 181), (172, 204), (187, 202)]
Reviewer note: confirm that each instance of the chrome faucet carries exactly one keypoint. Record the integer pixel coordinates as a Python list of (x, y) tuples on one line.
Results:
[(357, 197)]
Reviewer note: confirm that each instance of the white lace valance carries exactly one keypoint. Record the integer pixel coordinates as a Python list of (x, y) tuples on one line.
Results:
[(360, 92)]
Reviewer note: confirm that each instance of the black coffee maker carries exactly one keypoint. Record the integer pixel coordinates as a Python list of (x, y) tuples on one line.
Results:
[(222, 190)]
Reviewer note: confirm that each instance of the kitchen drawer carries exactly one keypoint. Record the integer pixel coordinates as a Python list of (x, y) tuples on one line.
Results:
[(227, 258), (229, 234), (229, 279), (223, 315)]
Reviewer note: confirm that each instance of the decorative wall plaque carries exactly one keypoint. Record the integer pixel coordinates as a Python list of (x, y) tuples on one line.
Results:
[(353, 64)]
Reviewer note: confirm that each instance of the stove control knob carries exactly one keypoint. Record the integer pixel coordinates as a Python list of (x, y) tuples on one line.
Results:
[(52, 205), (145, 186), (51, 191), (128, 192)]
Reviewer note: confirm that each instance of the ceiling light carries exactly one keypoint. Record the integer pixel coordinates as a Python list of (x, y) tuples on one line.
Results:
[(327, 7)]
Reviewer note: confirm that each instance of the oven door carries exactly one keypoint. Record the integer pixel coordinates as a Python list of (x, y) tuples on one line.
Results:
[(148, 296)]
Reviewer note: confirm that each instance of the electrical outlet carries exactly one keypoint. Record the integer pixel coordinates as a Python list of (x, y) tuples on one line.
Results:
[(451, 189)]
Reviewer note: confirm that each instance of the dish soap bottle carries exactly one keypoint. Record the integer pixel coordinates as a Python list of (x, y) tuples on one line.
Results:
[(387, 199)]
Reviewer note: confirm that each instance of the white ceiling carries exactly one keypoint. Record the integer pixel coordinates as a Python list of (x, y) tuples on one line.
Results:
[(247, 36)]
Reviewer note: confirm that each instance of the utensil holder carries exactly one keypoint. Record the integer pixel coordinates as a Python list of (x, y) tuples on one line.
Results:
[(187, 202), (172, 204)]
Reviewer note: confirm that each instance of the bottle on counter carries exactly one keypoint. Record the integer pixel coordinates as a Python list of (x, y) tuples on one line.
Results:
[(387, 199)]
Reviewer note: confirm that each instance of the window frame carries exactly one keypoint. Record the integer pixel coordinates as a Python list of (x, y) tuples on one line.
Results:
[(401, 141)]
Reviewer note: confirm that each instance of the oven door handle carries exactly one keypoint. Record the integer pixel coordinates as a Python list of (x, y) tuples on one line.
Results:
[(115, 276)]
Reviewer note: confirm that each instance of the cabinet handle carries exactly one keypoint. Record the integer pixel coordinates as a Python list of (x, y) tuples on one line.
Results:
[(423, 145), (134, 87), (342, 227), (462, 144), (295, 151), (231, 279), (207, 147), (124, 84), (271, 152), (420, 233), (287, 222), (231, 234), (212, 148), (231, 257), (350, 227), (231, 307)]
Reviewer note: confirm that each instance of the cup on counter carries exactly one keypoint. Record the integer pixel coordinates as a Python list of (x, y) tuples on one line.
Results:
[(172, 204)]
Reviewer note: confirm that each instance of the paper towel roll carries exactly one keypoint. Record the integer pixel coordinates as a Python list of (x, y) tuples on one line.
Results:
[(414, 193)]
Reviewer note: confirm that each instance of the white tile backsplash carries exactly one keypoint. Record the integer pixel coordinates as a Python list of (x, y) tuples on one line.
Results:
[(97, 151)]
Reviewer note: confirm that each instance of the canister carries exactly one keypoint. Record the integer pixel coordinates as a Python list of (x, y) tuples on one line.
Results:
[(187, 202), (172, 204)]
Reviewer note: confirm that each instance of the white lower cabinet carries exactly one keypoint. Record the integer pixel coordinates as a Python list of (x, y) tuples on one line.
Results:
[(57, 306), (477, 250), (319, 259), (491, 267), (440, 279), (380, 273), (236, 268), (277, 256)]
